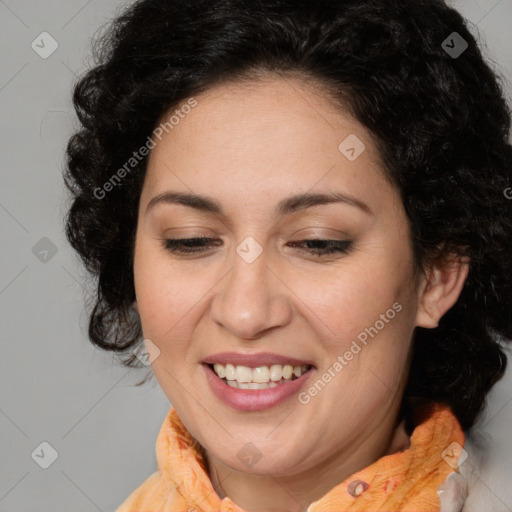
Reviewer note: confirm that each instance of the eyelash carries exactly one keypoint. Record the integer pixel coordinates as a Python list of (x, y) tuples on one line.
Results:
[(330, 246)]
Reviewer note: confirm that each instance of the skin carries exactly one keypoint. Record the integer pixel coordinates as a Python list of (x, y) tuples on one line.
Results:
[(248, 146)]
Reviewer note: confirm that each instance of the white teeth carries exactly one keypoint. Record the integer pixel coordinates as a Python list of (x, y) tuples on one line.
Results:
[(276, 372), (220, 370), (260, 374), (230, 372), (243, 374), (266, 375), (252, 385), (287, 371)]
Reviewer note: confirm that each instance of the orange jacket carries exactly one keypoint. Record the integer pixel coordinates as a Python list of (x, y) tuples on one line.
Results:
[(405, 481)]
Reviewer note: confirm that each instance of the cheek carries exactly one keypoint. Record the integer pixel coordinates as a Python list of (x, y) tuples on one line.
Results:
[(162, 296), (349, 299), (364, 315)]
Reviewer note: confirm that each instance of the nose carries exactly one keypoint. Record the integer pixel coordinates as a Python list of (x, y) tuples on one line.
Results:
[(251, 299)]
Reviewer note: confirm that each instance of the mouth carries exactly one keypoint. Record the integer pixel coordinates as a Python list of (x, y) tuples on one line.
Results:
[(260, 377), (249, 383)]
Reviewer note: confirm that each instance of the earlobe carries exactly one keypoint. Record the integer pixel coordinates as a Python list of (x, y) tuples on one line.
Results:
[(440, 290)]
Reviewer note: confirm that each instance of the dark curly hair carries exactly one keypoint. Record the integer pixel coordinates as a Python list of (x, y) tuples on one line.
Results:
[(440, 121)]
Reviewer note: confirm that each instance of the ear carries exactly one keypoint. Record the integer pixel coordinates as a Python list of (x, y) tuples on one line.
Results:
[(439, 290), (135, 305)]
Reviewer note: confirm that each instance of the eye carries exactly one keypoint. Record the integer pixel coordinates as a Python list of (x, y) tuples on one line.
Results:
[(324, 247), (197, 245), (189, 245)]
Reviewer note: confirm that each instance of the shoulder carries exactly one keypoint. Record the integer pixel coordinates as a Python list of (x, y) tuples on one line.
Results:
[(483, 481), (148, 496)]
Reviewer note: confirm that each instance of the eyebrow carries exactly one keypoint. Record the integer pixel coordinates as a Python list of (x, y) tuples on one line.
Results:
[(284, 207)]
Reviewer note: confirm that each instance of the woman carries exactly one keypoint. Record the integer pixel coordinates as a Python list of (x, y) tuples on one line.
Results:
[(301, 208)]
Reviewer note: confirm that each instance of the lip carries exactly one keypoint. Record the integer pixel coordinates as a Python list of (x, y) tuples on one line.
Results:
[(251, 400), (253, 360)]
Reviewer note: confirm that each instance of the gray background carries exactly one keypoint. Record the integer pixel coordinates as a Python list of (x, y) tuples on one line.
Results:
[(55, 386)]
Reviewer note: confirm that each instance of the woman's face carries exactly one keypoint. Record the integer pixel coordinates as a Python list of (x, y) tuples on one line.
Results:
[(258, 296)]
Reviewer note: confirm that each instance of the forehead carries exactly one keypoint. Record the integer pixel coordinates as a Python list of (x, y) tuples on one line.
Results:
[(269, 137)]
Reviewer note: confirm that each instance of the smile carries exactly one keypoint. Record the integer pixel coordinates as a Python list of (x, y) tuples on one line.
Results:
[(260, 377), (256, 382)]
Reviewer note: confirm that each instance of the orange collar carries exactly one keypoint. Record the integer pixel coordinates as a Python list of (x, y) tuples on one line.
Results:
[(405, 481)]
